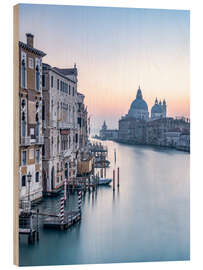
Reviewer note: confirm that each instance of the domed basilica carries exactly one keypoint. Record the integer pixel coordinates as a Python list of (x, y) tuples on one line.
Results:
[(139, 108)]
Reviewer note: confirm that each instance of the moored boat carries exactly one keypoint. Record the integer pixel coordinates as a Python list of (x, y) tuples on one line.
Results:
[(104, 181)]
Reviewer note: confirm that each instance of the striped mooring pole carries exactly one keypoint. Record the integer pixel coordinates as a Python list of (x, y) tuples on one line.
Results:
[(61, 210), (65, 189), (70, 219), (79, 199)]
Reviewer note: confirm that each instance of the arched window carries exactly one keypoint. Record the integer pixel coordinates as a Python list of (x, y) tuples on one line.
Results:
[(70, 113), (66, 170), (23, 73), (52, 109), (61, 110), (37, 78), (58, 144), (23, 124), (57, 110), (43, 110), (52, 146), (37, 125)]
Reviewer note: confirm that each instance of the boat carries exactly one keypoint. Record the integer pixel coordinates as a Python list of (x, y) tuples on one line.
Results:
[(104, 181)]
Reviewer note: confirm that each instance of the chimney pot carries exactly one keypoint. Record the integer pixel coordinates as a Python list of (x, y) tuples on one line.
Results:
[(30, 39)]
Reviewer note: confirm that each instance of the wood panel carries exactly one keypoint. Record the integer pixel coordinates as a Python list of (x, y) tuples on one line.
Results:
[(16, 134)]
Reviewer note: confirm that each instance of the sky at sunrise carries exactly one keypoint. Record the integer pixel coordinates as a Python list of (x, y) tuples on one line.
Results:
[(116, 50)]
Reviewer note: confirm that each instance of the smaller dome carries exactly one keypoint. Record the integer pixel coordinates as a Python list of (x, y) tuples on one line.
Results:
[(156, 109)]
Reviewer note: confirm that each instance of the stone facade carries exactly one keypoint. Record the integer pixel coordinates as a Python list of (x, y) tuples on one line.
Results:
[(135, 127), (162, 132), (65, 126), (30, 108), (60, 128), (132, 130), (83, 125)]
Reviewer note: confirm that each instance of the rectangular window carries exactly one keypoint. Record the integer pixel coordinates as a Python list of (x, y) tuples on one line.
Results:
[(52, 81), (37, 157), (61, 85), (23, 181), (31, 154), (24, 158), (43, 150), (23, 69), (69, 90), (43, 80), (73, 91), (30, 63), (37, 73), (43, 111), (37, 177), (76, 138), (57, 84)]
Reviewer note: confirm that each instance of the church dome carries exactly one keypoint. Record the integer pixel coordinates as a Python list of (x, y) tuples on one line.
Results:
[(139, 107), (139, 103), (156, 108)]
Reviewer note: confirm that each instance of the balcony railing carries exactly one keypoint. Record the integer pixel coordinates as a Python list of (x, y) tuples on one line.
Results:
[(44, 124), (25, 206), (39, 140), (62, 125), (53, 123), (25, 141), (66, 153)]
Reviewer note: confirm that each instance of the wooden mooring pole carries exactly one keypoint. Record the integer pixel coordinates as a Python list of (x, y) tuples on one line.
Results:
[(118, 177), (37, 224), (115, 155), (31, 236), (113, 180), (89, 183)]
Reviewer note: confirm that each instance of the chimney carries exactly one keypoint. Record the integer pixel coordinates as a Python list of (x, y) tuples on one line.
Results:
[(30, 39)]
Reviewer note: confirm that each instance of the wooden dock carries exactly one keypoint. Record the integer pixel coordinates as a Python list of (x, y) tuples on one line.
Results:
[(70, 218)]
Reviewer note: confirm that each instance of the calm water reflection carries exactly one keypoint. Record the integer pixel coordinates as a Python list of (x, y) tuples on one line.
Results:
[(147, 219)]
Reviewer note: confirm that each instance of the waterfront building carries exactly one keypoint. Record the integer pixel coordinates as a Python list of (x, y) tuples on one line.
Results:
[(30, 113), (82, 120), (132, 130), (108, 134), (60, 125), (166, 131), (184, 141), (136, 127)]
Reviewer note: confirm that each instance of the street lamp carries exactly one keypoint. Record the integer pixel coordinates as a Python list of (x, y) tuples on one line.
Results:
[(29, 176)]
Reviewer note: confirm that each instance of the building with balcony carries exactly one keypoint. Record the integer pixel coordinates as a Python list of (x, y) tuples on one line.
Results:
[(60, 126), (30, 113), (83, 122)]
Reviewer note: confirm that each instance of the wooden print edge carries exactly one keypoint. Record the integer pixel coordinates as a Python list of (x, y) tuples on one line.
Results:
[(15, 133)]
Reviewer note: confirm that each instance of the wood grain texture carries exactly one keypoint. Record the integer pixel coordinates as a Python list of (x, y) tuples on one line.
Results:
[(15, 133)]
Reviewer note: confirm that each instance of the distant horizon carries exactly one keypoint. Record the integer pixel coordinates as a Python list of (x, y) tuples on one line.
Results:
[(116, 50)]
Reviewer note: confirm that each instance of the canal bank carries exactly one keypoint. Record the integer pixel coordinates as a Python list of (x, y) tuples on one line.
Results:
[(146, 219)]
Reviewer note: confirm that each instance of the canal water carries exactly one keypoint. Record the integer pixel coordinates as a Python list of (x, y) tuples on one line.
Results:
[(146, 219)]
